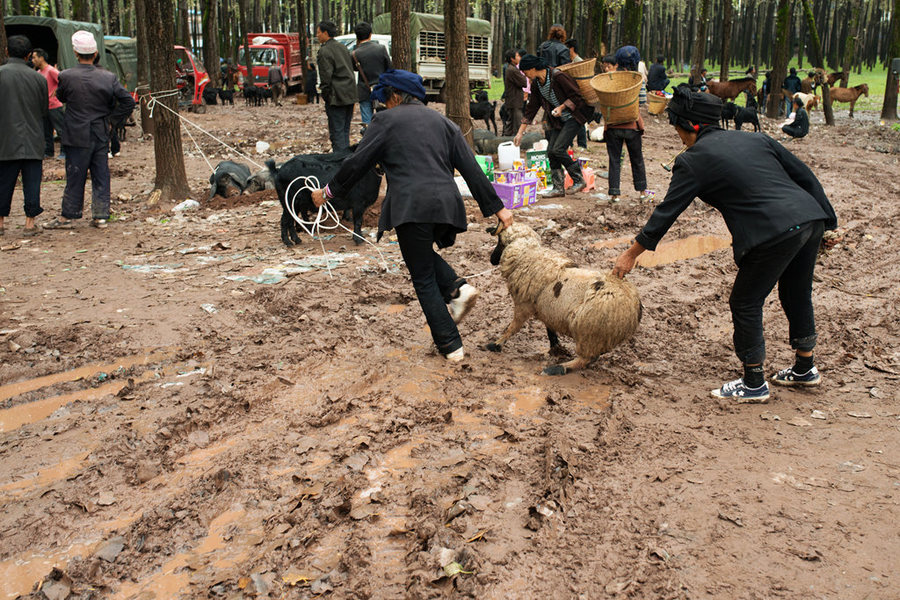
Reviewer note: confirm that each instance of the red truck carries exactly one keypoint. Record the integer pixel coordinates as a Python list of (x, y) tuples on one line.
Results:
[(283, 48)]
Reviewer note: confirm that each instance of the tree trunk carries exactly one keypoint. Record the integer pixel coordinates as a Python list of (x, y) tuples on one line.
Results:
[(2, 39), (171, 178), (889, 108), (211, 42), (401, 53), (817, 58), (242, 20), (725, 58), (779, 66), (698, 56), (850, 44), (143, 66), (302, 29), (81, 10), (631, 22), (456, 84)]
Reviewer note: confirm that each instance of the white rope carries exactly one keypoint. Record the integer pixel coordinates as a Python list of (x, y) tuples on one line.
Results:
[(200, 150), (326, 212), (491, 270), (153, 103)]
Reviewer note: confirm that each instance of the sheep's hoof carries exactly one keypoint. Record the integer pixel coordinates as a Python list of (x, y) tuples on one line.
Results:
[(493, 347), (555, 370)]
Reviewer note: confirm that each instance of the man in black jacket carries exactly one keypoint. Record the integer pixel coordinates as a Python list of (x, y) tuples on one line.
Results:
[(94, 98), (25, 105), (419, 148), (337, 84), (656, 78), (776, 211), (370, 59)]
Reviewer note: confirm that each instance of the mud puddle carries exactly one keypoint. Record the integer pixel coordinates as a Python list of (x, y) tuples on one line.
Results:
[(669, 252)]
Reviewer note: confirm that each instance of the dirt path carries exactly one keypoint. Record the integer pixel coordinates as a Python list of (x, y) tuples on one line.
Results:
[(190, 409)]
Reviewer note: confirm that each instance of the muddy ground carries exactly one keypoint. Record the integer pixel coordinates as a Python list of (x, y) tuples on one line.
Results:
[(191, 409)]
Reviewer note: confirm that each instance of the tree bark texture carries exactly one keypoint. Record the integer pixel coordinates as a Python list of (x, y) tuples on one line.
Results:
[(143, 66), (171, 178), (727, 22), (2, 39), (889, 107), (401, 53), (456, 84), (779, 68), (698, 56), (817, 58), (850, 44), (302, 28), (242, 21), (631, 22), (211, 42)]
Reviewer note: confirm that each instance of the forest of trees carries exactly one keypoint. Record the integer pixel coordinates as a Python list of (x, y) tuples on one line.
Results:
[(666, 27)]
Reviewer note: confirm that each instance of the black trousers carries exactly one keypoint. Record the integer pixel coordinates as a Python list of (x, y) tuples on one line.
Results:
[(31, 170), (339, 125), (511, 127), (789, 262), (53, 122), (558, 142), (793, 131), (78, 162), (632, 140), (434, 280)]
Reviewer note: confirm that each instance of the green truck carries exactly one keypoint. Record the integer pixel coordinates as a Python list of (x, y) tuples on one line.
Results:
[(429, 49), (55, 36)]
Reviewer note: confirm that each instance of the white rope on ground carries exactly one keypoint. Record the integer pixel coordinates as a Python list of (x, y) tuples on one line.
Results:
[(491, 270), (153, 103), (326, 212), (200, 150)]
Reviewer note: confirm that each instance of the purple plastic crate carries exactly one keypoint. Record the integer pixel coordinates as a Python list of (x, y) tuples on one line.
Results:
[(517, 195)]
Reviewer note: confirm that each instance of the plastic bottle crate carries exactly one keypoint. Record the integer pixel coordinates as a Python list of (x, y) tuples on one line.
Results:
[(519, 192)]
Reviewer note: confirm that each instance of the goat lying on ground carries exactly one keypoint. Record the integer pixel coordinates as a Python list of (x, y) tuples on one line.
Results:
[(809, 101), (482, 109), (323, 167), (598, 310), (228, 179), (740, 115)]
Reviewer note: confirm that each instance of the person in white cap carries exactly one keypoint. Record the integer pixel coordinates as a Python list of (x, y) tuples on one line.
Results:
[(93, 98)]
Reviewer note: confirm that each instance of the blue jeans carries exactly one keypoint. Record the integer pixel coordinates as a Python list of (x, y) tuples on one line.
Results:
[(339, 125), (789, 262), (31, 170), (78, 162), (366, 111)]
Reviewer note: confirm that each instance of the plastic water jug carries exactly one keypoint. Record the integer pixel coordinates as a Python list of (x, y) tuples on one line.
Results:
[(507, 152)]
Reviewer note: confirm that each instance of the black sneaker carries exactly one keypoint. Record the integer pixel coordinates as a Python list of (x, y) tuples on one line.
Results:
[(788, 377), (740, 393)]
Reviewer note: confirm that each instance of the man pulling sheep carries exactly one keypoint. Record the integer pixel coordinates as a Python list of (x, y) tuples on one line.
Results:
[(776, 211)]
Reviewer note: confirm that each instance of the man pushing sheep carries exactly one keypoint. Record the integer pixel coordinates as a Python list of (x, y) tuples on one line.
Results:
[(776, 211)]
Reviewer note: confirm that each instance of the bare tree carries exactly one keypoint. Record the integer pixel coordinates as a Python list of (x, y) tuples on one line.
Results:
[(171, 178), (456, 86), (782, 31), (851, 43), (889, 108), (816, 56), (698, 56), (725, 57), (211, 41), (400, 43), (242, 21)]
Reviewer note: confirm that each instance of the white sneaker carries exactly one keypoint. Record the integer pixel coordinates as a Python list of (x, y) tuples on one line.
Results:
[(462, 304), (456, 356)]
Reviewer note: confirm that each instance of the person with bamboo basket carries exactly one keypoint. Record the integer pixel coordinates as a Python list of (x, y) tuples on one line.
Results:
[(566, 112)]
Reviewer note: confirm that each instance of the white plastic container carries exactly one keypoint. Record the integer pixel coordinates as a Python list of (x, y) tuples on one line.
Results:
[(507, 153)]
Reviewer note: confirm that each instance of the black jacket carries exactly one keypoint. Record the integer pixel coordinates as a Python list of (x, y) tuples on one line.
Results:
[(336, 79), (24, 104), (761, 189), (93, 98), (418, 148), (554, 52), (567, 92), (656, 77), (800, 127), (791, 84), (374, 60)]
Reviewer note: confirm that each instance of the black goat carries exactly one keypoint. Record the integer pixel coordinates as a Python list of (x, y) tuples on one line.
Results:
[(482, 109)]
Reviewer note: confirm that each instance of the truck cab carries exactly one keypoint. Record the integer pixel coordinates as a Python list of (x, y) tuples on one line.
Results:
[(283, 48)]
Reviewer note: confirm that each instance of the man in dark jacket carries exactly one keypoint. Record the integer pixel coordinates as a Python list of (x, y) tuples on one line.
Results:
[(276, 83), (371, 59), (94, 98), (337, 84), (565, 112), (799, 127), (553, 50), (514, 83), (792, 84), (419, 149), (25, 106), (656, 78), (776, 211)]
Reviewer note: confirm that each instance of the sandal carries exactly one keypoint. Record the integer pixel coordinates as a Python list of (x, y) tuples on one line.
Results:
[(647, 195), (58, 223), (32, 232)]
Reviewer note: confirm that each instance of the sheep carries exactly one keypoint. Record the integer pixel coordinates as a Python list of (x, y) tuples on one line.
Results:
[(598, 310), (810, 101)]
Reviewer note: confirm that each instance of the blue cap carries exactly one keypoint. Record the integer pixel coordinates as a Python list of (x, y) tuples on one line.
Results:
[(398, 79)]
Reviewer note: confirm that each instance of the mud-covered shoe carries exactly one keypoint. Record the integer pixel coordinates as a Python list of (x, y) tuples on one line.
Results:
[(740, 393), (463, 303), (788, 377), (456, 356), (99, 223)]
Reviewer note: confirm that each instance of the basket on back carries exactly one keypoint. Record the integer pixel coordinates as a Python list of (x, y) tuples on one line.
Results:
[(617, 96), (582, 72), (656, 104)]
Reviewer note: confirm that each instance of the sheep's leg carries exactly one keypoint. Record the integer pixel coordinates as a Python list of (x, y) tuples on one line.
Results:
[(520, 317), (852, 103), (556, 349), (576, 363)]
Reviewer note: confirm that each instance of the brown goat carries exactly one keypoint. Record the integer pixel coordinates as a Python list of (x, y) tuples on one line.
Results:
[(598, 310), (729, 90), (851, 95)]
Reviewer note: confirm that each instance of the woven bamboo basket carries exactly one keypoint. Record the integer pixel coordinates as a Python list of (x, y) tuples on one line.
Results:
[(582, 72), (617, 96), (656, 104)]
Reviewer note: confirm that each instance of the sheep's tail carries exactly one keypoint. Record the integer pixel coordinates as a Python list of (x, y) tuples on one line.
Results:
[(272, 168)]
